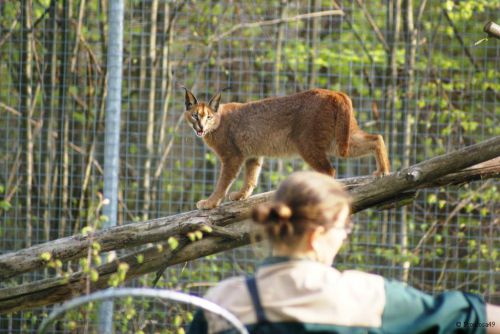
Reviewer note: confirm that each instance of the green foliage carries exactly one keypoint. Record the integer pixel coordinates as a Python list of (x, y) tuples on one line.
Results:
[(5, 205), (11, 10), (116, 279), (173, 243)]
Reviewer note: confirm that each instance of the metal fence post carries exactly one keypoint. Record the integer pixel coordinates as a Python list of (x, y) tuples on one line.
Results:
[(112, 133)]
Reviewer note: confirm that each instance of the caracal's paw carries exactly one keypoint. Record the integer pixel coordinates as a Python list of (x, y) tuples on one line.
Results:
[(206, 204), (380, 173), (238, 195)]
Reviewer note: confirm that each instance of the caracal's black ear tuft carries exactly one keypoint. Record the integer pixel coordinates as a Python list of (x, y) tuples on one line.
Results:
[(190, 99), (214, 102)]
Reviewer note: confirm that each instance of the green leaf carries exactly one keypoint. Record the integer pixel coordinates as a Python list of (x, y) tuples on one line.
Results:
[(46, 256), (177, 320), (470, 126), (207, 229), (72, 325), (432, 199), (4, 205), (173, 243), (79, 117), (198, 235), (96, 246), (94, 275), (87, 230)]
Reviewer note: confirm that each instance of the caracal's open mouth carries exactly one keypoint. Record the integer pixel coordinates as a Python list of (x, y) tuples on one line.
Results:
[(199, 133)]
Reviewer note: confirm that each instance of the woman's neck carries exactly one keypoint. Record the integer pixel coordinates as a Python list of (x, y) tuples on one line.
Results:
[(285, 251)]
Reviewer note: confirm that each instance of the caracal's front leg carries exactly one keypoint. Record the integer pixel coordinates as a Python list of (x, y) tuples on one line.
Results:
[(229, 170), (252, 171)]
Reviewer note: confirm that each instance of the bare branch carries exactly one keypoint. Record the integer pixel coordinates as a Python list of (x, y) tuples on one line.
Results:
[(275, 21), (11, 31), (460, 40), (374, 26)]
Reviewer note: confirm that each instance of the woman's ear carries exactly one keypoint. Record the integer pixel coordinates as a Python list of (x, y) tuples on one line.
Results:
[(313, 236)]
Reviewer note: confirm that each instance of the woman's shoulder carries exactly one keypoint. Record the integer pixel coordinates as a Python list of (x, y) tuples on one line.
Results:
[(331, 276), (362, 287), (362, 279), (225, 287)]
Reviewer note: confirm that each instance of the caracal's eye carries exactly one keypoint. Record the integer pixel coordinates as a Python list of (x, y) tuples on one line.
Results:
[(210, 117), (195, 117)]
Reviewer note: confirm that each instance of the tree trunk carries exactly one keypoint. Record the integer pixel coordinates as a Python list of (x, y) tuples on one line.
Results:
[(392, 73), (230, 228), (151, 88), (164, 145), (136, 234), (312, 38), (48, 141), (62, 150), (393, 30), (27, 110), (407, 95), (280, 34), (166, 74)]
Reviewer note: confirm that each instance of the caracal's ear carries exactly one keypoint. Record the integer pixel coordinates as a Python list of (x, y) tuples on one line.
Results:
[(190, 99), (214, 102)]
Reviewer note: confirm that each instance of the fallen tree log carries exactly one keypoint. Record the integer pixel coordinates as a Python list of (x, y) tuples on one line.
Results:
[(157, 230), (229, 224)]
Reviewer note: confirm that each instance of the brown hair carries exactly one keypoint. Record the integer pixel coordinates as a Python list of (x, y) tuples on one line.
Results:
[(303, 200)]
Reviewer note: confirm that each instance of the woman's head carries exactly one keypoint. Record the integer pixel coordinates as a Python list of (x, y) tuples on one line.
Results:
[(308, 215)]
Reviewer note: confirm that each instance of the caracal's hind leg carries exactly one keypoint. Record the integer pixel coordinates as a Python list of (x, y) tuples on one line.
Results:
[(252, 171), (362, 143)]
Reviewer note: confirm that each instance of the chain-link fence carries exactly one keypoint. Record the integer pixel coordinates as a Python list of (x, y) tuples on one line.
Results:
[(412, 69)]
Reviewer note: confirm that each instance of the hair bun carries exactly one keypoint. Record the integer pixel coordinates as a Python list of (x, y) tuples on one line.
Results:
[(271, 213), (281, 211), (275, 219), (261, 213)]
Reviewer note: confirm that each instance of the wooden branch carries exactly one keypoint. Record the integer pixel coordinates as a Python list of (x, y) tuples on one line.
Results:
[(426, 172), (126, 236), (6, 36), (374, 25), (461, 40), (230, 224), (274, 22)]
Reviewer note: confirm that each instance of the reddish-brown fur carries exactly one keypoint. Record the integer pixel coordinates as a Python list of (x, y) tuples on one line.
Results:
[(313, 124)]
